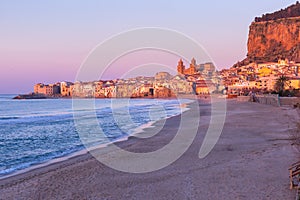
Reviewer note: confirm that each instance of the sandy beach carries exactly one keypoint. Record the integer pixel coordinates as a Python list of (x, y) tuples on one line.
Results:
[(250, 161)]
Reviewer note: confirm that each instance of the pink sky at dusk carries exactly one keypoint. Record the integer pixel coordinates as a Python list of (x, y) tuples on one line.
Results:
[(47, 41), (142, 62)]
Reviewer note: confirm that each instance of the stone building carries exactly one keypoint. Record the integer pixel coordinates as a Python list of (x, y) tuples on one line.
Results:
[(204, 87), (99, 90), (189, 71), (180, 85), (84, 89), (163, 92), (126, 89), (163, 76), (66, 89), (110, 91), (293, 83), (48, 90)]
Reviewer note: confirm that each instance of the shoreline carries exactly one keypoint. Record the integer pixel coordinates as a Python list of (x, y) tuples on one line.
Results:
[(261, 150), (135, 133), (41, 96)]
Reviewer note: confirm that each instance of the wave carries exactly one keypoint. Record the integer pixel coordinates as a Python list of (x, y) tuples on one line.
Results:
[(8, 118), (44, 114), (58, 131), (39, 160)]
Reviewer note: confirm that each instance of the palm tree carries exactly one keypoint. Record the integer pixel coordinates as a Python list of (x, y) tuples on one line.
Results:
[(280, 84)]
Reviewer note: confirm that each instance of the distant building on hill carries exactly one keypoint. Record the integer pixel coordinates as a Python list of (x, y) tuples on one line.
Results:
[(163, 76), (206, 68), (189, 71)]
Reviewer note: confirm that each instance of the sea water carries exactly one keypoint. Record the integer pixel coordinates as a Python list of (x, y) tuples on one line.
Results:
[(40, 130)]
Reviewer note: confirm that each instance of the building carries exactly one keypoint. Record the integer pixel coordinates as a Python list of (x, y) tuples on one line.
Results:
[(126, 89), (192, 69), (264, 71), (189, 71), (66, 89), (163, 76), (163, 92), (293, 83), (99, 90), (47, 90), (180, 67), (110, 91), (84, 89), (145, 90), (204, 87), (266, 83), (208, 67), (180, 85)]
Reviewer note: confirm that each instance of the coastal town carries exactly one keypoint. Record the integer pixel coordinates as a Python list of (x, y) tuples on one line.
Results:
[(190, 126), (199, 79), (272, 65)]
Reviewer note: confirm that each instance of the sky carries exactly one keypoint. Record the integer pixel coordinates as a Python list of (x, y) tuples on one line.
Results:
[(47, 41)]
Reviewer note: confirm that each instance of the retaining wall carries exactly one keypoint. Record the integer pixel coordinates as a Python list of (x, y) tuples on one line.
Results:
[(271, 99), (289, 101), (243, 98)]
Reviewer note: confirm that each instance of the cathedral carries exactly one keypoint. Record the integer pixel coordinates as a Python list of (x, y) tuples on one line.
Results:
[(189, 71), (206, 68)]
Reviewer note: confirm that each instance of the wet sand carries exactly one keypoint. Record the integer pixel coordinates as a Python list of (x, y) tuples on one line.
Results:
[(250, 161)]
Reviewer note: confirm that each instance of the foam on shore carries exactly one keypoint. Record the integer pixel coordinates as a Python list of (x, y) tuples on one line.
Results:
[(137, 132)]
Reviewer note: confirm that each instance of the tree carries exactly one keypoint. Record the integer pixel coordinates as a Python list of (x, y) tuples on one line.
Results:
[(280, 84)]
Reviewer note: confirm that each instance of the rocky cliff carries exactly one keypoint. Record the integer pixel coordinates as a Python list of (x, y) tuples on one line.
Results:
[(291, 11), (275, 36)]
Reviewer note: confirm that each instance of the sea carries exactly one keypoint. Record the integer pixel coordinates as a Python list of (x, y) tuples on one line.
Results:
[(38, 131)]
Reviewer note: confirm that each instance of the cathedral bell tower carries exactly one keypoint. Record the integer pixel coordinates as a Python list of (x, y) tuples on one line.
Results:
[(193, 67), (180, 67)]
